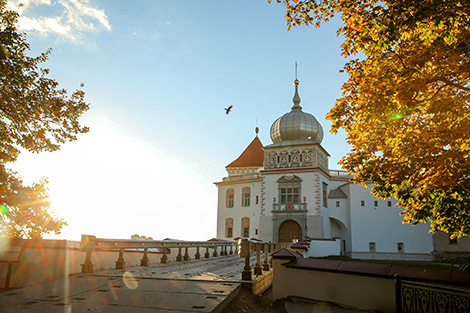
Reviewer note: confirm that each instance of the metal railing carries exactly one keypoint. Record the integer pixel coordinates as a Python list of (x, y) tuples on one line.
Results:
[(413, 297)]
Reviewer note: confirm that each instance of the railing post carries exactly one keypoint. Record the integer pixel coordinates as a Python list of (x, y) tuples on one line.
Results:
[(215, 251), (398, 303), (145, 259), (231, 249), (265, 263), (179, 257), (246, 273), (164, 258), (87, 266), (120, 264), (197, 256), (186, 254), (207, 254), (225, 250), (244, 246), (257, 269), (271, 251), (236, 248)]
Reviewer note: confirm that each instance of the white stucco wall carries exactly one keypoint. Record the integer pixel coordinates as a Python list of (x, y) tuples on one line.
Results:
[(383, 225), (238, 211), (321, 248)]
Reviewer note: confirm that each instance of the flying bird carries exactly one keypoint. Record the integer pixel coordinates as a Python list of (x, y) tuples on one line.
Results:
[(228, 109)]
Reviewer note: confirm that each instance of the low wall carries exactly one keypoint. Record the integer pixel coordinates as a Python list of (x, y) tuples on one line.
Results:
[(40, 261), (362, 292), (262, 283), (366, 286), (321, 248), (45, 260)]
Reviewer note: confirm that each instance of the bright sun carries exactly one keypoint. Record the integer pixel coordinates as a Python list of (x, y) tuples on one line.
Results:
[(110, 186)]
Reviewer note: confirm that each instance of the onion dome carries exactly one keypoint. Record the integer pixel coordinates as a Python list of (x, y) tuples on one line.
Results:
[(296, 127)]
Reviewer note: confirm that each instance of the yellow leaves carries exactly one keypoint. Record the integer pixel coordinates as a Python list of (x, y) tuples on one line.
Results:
[(405, 106)]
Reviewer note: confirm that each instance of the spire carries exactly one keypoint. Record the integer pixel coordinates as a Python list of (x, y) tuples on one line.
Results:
[(296, 98)]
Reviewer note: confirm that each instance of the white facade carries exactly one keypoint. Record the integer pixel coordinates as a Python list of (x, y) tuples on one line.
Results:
[(293, 194)]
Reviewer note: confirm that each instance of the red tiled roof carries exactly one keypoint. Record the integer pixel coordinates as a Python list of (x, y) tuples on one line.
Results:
[(253, 156)]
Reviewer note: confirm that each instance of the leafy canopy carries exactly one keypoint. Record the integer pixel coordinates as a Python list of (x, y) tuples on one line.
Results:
[(405, 105), (35, 115)]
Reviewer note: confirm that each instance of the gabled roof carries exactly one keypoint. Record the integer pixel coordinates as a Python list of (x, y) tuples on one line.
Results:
[(253, 156)]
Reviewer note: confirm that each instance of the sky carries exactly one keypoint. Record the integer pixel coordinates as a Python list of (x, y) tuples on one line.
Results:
[(158, 75)]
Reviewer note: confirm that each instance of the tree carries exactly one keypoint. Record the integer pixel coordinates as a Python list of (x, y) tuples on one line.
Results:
[(405, 105), (35, 115)]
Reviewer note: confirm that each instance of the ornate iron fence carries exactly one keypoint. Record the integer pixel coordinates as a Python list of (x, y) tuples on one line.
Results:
[(413, 297)]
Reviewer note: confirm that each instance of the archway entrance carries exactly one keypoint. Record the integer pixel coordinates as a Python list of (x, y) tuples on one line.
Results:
[(290, 230)]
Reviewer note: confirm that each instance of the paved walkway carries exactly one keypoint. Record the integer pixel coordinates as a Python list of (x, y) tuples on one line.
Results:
[(191, 286), (206, 285)]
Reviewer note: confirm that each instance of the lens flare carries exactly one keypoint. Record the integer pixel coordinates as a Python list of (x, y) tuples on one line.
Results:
[(396, 116), (130, 280)]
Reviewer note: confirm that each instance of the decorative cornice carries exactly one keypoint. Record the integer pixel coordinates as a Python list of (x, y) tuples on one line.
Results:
[(295, 170), (236, 181)]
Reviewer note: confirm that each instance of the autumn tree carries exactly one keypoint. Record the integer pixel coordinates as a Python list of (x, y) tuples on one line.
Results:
[(405, 105), (35, 116)]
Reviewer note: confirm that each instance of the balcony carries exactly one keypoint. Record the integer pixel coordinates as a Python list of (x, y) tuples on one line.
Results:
[(289, 207)]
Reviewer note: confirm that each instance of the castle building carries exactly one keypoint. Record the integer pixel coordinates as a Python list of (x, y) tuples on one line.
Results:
[(285, 192)]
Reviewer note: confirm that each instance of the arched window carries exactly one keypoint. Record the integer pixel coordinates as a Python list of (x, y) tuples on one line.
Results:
[(229, 227), (229, 198), (245, 227), (246, 194)]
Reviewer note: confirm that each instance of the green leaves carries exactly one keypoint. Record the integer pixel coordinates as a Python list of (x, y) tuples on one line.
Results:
[(34, 115)]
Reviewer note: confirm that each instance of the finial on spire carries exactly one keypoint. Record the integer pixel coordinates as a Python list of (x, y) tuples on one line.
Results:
[(256, 129), (296, 98), (296, 81)]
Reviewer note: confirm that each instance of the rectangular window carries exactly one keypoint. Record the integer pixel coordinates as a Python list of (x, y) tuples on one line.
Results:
[(229, 232), (246, 232), (376, 203), (290, 195), (363, 203), (256, 231), (256, 199), (230, 201), (246, 199), (325, 195), (389, 203), (337, 204), (400, 247)]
